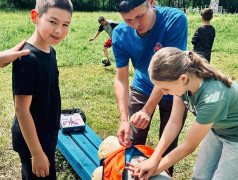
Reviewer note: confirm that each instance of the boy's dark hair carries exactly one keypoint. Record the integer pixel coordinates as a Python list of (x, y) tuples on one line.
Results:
[(207, 14), (42, 6), (101, 19), (127, 5)]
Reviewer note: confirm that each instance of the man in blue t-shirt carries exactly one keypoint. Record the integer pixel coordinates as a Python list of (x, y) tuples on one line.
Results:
[(145, 30)]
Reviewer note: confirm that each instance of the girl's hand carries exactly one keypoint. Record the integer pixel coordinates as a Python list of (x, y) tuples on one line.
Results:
[(12, 54), (143, 170)]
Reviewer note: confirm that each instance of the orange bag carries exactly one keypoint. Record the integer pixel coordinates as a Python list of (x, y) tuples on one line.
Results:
[(114, 163)]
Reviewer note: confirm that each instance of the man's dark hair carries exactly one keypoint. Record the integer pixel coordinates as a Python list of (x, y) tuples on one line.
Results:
[(127, 5), (101, 19), (42, 6), (207, 14)]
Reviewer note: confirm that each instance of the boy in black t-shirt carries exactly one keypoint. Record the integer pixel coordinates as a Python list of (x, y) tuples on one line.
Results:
[(204, 36), (36, 91), (108, 26)]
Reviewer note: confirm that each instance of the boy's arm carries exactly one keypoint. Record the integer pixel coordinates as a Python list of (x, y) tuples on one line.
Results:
[(195, 38), (91, 39), (40, 162)]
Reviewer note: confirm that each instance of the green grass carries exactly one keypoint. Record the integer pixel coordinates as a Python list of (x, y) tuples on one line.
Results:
[(87, 85)]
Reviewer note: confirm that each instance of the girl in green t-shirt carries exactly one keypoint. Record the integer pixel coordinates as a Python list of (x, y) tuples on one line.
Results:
[(213, 99)]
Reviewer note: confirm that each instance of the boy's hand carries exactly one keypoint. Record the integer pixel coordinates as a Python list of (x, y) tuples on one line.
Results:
[(40, 166), (91, 39)]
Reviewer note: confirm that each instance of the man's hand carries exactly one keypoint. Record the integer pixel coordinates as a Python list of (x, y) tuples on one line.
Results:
[(140, 119), (40, 166), (91, 39), (12, 54), (123, 134)]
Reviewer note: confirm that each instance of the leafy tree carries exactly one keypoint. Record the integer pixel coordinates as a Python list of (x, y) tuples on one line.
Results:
[(109, 5)]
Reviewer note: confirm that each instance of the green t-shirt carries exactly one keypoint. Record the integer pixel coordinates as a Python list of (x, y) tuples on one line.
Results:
[(216, 103)]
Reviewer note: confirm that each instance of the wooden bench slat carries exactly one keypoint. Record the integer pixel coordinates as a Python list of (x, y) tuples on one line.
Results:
[(92, 136), (76, 157), (88, 148)]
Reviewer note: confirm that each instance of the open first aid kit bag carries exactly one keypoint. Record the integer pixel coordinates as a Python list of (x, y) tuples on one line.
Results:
[(72, 120)]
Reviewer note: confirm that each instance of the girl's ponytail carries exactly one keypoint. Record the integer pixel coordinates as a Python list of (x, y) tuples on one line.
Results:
[(202, 69), (169, 63)]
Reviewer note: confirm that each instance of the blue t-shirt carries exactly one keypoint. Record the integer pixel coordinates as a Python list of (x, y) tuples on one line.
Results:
[(169, 30)]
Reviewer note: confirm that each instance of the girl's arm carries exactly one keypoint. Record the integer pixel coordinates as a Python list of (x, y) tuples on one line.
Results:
[(40, 163), (146, 168), (172, 128), (12, 54), (195, 135)]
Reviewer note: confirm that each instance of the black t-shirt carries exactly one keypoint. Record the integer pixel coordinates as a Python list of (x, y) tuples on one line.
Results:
[(108, 27), (37, 74), (203, 40), (113, 24)]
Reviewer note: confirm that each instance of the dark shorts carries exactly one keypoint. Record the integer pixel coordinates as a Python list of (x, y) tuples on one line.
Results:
[(108, 43), (137, 100), (48, 143)]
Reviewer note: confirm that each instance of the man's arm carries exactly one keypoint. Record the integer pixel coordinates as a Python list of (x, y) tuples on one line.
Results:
[(121, 88), (154, 99), (12, 54), (142, 118), (40, 162)]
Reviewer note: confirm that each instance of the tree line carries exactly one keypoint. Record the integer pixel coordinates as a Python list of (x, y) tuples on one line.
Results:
[(109, 5)]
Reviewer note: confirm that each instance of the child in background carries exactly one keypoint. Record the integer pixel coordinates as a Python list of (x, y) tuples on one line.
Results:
[(204, 36), (36, 91), (108, 26)]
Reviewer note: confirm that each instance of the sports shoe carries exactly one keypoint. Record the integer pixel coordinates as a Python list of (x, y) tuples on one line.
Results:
[(107, 64)]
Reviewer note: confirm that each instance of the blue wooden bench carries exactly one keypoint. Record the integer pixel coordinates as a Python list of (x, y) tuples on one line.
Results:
[(81, 150)]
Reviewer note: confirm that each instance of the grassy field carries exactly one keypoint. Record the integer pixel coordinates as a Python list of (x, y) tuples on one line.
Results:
[(85, 84)]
